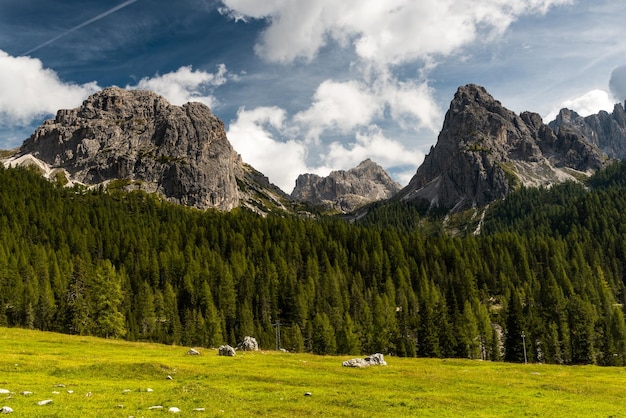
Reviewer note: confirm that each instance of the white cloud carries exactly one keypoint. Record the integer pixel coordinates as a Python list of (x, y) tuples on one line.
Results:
[(350, 105), (411, 103), (340, 105), (585, 105), (386, 32), (253, 135), (373, 144), (29, 91), (185, 85)]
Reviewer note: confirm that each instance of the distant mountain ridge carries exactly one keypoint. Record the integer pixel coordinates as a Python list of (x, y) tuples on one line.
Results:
[(485, 150), (181, 152), (605, 130), (346, 191)]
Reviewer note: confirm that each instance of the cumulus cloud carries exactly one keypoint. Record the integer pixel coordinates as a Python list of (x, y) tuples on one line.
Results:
[(185, 85), (373, 144), (30, 91), (341, 105), (255, 134), (350, 105), (388, 32), (617, 83), (585, 105)]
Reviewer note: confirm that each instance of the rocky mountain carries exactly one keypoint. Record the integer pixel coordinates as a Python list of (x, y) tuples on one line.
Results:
[(144, 143), (605, 130), (485, 150), (346, 191)]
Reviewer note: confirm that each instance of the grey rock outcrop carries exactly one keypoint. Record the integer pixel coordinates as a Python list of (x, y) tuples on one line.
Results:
[(226, 350), (485, 150), (248, 344), (346, 191), (605, 130), (180, 152), (374, 360)]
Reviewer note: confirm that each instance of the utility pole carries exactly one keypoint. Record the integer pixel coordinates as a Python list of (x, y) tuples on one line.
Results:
[(277, 326), (524, 343)]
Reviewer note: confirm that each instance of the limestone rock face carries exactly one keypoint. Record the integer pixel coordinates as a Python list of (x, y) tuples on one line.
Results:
[(605, 130), (485, 150), (180, 152), (346, 191)]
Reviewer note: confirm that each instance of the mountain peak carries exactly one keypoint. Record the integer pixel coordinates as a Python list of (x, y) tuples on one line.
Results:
[(484, 150), (180, 152), (346, 191)]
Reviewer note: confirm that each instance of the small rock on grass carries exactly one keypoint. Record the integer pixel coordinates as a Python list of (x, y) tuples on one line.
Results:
[(308, 394), (44, 402), (6, 410), (173, 410), (4, 391)]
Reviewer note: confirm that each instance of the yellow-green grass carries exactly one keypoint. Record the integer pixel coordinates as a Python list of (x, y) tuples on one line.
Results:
[(118, 376)]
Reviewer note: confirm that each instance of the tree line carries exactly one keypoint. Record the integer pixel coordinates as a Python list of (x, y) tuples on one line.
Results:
[(549, 264)]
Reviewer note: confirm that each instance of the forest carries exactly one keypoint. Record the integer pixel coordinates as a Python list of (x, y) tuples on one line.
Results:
[(548, 265)]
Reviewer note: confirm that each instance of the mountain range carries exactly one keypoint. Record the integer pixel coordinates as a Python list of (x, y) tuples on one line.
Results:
[(136, 140)]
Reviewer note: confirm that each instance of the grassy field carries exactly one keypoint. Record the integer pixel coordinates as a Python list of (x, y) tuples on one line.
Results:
[(126, 379)]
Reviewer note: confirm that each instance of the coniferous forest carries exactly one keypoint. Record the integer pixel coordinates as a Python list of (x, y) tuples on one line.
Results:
[(548, 264)]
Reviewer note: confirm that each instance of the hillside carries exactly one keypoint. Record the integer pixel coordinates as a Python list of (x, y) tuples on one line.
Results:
[(117, 264)]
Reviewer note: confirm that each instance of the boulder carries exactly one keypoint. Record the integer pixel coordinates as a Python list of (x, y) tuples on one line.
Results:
[(374, 360), (248, 344), (193, 352), (226, 350), (6, 410)]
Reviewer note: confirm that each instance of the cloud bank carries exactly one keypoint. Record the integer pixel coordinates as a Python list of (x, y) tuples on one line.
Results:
[(29, 91), (185, 85), (617, 83), (387, 32)]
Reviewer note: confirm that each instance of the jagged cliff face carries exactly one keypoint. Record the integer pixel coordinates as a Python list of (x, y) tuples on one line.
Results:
[(346, 191), (485, 150), (605, 130), (180, 152)]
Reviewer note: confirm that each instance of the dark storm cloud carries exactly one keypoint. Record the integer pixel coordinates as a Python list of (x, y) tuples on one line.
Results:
[(617, 83)]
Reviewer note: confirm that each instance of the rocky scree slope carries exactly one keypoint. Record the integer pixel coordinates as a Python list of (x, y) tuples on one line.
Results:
[(346, 191), (180, 152), (485, 150)]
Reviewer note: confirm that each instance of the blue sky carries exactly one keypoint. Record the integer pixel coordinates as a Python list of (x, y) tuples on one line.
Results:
[(313, 85)]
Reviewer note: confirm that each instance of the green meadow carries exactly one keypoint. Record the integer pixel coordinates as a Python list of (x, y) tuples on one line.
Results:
[(91, 377)]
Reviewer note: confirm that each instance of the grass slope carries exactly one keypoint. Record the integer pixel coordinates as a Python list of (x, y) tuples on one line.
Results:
[(126, 379)]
